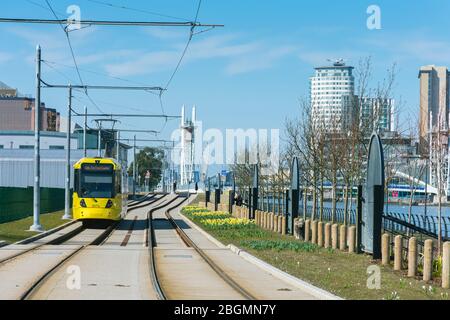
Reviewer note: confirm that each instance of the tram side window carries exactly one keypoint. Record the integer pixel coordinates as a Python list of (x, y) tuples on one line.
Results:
[(118, 182), (76, 181)]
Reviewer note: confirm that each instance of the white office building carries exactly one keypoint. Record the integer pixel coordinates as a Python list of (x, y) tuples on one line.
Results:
[(332, 97)]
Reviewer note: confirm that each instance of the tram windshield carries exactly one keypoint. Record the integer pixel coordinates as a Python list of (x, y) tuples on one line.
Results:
[(97, 181)]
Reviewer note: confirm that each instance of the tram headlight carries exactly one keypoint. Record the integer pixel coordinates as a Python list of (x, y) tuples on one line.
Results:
[(82, 203)]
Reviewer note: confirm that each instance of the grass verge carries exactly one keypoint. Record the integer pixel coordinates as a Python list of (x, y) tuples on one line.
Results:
[(18, 230), (338, 272)]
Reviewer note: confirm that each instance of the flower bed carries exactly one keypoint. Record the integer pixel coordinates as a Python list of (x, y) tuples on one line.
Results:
[(216, 220)]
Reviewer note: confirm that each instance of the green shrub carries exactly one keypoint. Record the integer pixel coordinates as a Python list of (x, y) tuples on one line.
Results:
[(279, 245)]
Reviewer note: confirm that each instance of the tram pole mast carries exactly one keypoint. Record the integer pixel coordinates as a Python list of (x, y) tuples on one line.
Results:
[(134, 167), (99, 142), (37, 141), (67, 215), (85, 132)]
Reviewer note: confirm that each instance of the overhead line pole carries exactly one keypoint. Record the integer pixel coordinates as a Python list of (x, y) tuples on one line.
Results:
[(85, 132), (99, 140), (190, 24), (145, 140), (98, 87), (118, 115), (37, 144), (67, 214), (134, 167)]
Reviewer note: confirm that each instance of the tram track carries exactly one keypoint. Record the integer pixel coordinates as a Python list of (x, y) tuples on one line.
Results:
[(37, 284), (67, 246), (152, 243), (97, 241), (76, 229), (35, 291)]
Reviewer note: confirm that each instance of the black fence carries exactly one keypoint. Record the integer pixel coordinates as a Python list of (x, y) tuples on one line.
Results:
[(327, 214), (422, 226), (393, 222)]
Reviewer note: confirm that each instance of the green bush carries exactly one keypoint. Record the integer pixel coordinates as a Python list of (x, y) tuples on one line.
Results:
[(279, 245)]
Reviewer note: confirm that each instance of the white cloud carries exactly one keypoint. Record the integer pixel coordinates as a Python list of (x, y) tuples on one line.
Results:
[(166, 33), (144, 64), (317, 58), (241, 57), (264, 60), (5, 57), (416, 46)]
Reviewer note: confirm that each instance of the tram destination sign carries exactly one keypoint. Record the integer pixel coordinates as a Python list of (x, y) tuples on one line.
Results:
[(94, 167)]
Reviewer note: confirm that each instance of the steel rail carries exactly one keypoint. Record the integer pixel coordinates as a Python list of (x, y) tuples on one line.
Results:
[(65, 237), (39, 282), (151, 243), (185, 238), (206, 258), (96, 242), (59, 240)]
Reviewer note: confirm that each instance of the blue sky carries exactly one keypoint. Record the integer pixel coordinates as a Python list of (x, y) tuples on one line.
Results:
[(250, 74)]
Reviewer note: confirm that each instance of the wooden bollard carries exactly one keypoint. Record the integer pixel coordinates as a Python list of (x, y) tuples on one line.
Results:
[(283, 225), (257, 217), (261, 219), (314, 232), (271, 221), (274, 223), (307, 229), (320, 234), (342, 237), (327, 242), (264, 219), (280, 224), (398, 248), (427, 260), (446, 266), (334, 236), (351, 239), (412, 257), (385, 249)]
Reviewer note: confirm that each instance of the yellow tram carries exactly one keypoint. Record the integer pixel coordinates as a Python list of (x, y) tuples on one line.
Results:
[(98, 192)]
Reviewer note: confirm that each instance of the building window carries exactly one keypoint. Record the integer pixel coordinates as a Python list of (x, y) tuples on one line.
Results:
[(56, 147), (26, 147)]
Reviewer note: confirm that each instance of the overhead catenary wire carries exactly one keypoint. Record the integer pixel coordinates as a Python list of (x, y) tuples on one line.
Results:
[(192, 24), (69, 42), (98, 73), (153, 13), (40, 6), (110, 23), (191, 34)]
